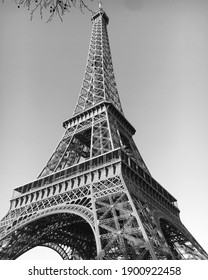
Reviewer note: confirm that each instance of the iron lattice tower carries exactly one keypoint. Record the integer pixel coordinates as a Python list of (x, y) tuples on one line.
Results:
[(95, 198)]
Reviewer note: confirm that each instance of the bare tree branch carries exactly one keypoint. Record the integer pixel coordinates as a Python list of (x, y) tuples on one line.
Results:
[(52, 7)]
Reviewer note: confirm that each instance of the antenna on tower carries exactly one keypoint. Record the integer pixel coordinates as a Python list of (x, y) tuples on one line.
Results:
[(100, 5)]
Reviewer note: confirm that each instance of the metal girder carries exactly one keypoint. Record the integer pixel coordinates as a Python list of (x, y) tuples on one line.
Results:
[(183, 245)]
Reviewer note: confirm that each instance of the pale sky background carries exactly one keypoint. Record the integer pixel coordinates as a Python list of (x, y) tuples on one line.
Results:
[(160, 57)]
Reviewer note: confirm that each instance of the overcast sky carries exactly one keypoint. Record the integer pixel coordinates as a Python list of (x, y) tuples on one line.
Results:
[(160, 58)]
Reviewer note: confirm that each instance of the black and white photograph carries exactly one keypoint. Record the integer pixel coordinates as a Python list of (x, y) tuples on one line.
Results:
[(104, 130)]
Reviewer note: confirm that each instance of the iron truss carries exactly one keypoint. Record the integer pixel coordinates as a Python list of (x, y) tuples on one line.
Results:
[(95, 198)]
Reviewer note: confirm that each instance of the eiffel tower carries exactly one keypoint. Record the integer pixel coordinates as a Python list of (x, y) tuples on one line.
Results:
[(95, 198)]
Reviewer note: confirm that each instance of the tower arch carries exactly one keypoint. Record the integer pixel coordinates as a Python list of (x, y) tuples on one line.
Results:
[(68, 233)]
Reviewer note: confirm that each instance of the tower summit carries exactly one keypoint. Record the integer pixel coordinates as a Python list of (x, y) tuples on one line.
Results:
[(95, 198), (100, 12)]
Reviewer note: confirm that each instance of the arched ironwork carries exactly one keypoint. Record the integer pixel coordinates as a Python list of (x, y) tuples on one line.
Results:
[(69, 234)]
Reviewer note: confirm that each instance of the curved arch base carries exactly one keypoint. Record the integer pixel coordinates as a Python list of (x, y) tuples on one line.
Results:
[(75, 233), (66, 253)]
